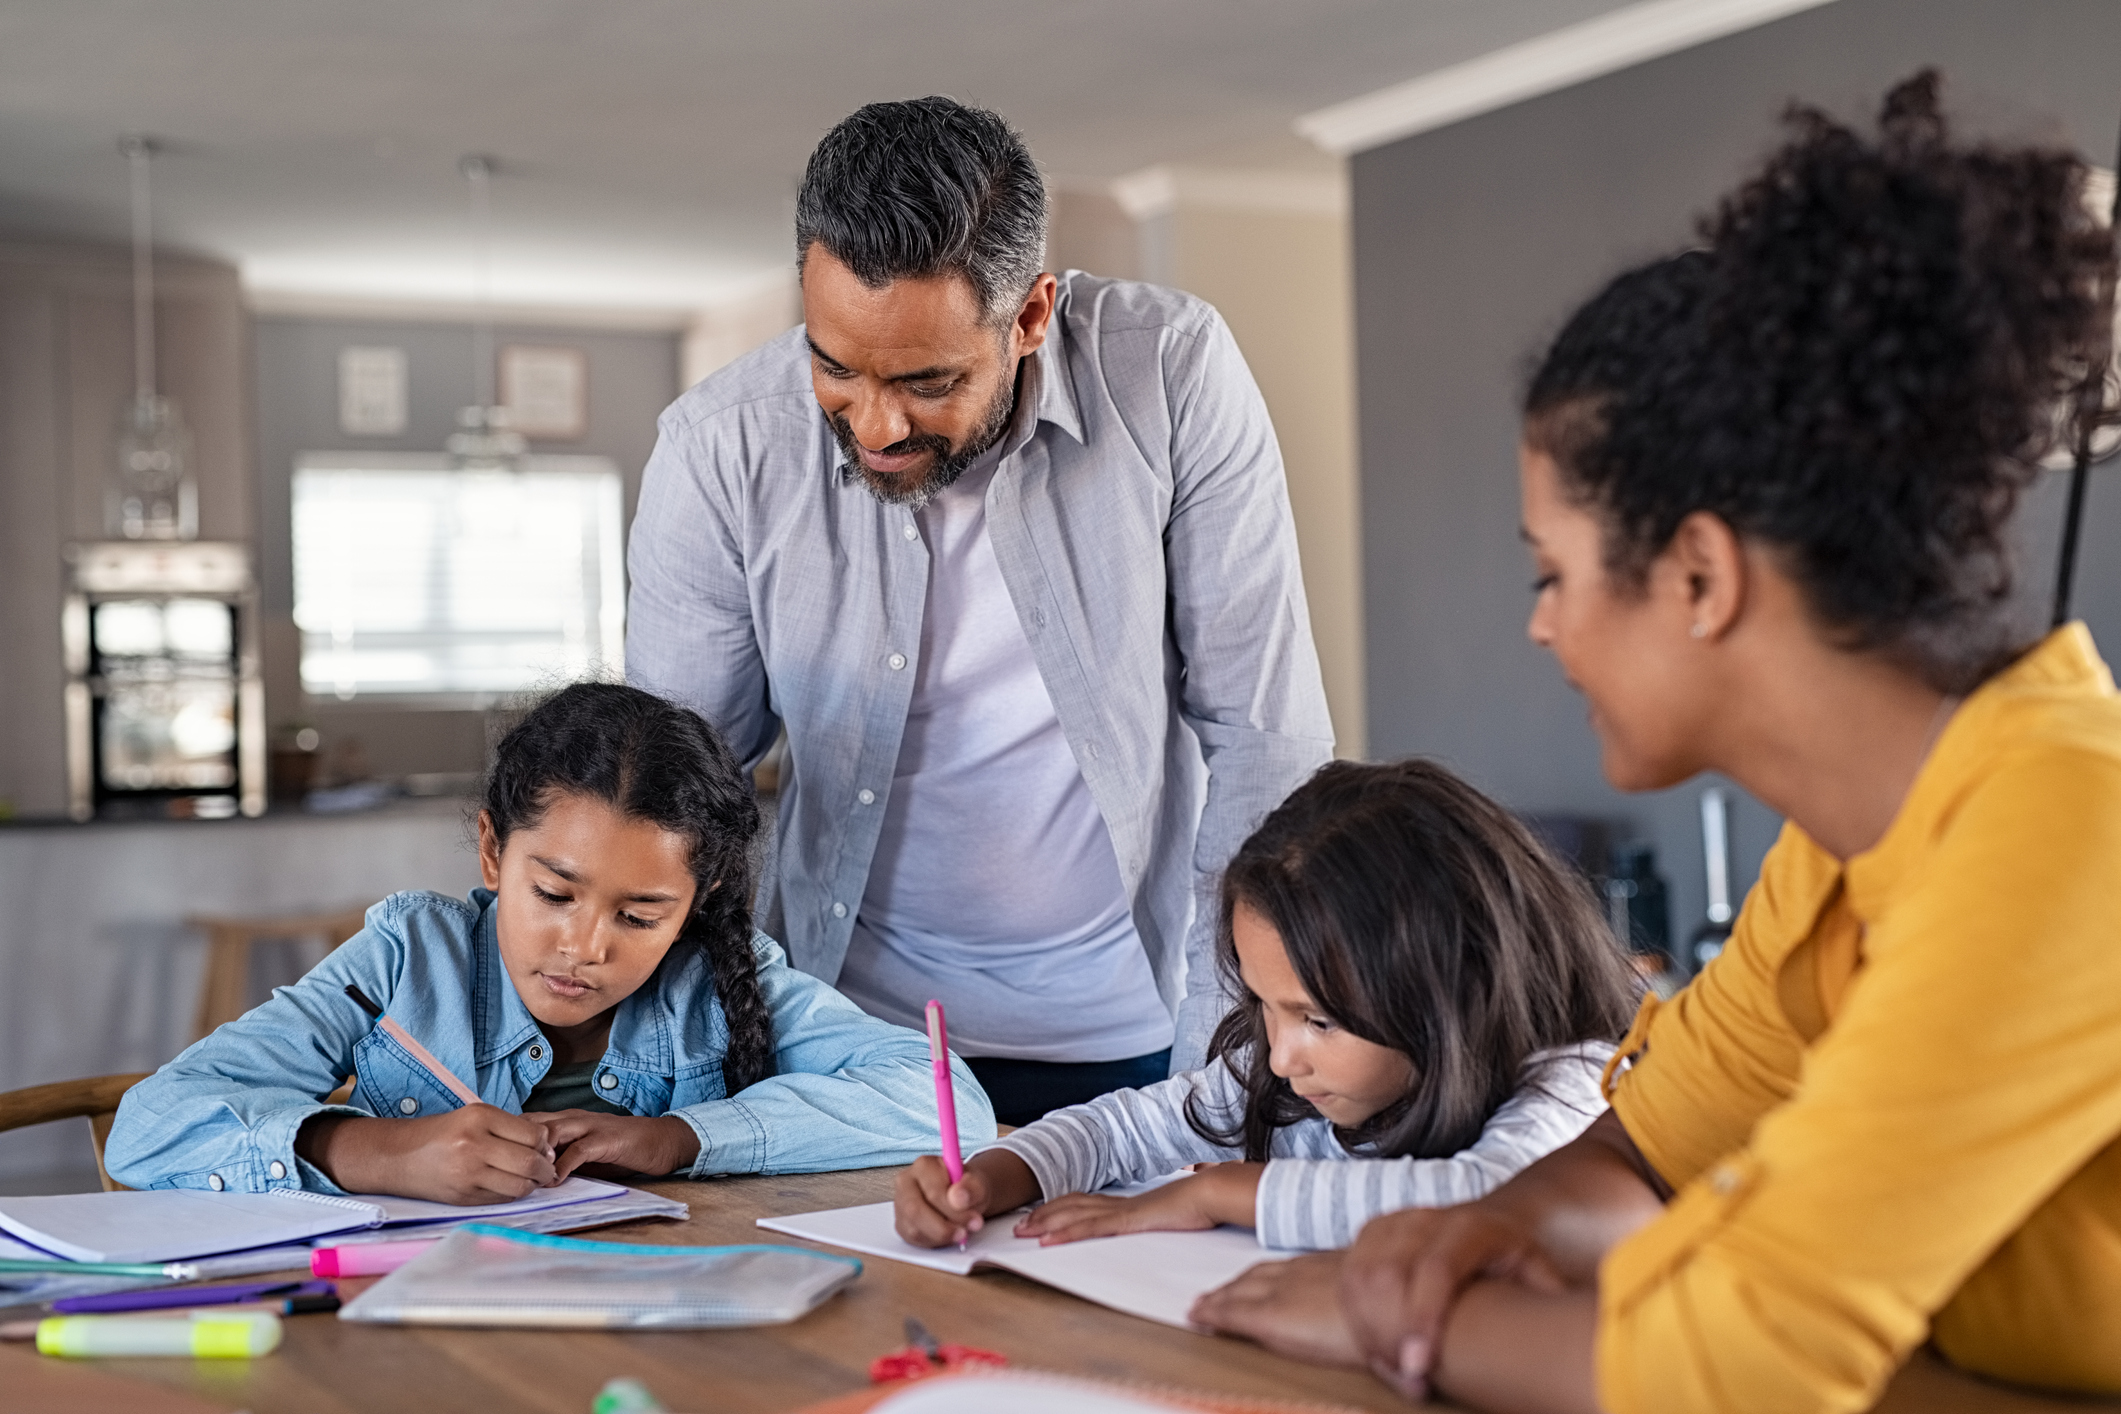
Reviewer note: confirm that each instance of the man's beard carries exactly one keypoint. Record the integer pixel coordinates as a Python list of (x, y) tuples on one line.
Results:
[(947, 465)]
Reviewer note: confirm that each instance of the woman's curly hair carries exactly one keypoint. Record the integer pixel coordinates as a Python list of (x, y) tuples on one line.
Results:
[(653, 760), (1862, 368)]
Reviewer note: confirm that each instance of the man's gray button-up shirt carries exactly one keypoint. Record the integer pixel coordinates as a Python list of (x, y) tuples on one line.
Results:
[(1143, 531)]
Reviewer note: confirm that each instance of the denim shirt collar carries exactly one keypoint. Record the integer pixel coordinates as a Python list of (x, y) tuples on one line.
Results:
[(640, 1033), (502, 1025)]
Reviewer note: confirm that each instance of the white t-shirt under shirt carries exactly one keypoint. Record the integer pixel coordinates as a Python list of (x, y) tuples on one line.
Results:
[(994, 886)]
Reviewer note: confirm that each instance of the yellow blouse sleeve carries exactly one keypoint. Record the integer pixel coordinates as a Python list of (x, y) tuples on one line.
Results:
[(1973, 1066), (1700, 1070)]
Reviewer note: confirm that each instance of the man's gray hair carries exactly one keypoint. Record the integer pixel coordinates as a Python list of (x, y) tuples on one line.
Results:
[(927, 187)]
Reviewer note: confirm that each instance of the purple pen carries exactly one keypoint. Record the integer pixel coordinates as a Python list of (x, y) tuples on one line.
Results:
[(168, 1297)]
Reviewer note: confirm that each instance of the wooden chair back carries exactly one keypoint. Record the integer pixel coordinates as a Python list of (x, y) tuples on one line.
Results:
[(224, 995), (96, 1098)]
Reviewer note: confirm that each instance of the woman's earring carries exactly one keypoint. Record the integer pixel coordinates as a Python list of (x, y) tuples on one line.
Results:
[(1701, 630)]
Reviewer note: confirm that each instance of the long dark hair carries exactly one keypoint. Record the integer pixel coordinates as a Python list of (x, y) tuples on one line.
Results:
[(653, 760), (1422, 916), (1862, 367)]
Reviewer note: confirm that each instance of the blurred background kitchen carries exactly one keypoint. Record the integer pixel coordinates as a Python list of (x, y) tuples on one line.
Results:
[(332, 339)]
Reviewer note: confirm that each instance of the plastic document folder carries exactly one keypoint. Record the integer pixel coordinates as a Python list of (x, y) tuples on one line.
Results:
[(179, 1224), (483, 1275)]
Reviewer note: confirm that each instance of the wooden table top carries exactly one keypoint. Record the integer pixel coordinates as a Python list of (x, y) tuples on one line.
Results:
[(329, 1366)]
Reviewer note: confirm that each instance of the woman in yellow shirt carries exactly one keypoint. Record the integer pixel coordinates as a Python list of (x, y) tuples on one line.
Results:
[(1766, 487)]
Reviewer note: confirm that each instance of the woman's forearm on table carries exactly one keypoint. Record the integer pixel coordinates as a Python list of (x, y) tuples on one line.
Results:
[(1512, 1350)]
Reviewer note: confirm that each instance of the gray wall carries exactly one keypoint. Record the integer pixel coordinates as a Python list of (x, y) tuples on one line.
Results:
[(1474, 242), (66, 374), (632, 377)]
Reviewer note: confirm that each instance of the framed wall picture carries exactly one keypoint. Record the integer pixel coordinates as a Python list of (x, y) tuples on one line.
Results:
[(371, 391), (546, 391)]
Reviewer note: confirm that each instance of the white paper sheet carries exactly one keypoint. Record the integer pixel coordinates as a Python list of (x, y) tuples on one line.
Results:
[(397, 1211), (1154, 1275), (179, 1224)]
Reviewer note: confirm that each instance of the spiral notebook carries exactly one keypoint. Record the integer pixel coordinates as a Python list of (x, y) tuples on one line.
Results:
[(179, 1224)]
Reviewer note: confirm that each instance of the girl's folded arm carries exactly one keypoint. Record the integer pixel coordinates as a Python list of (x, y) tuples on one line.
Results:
[(229, 1107), (1129, 1136), (849, 1091), (1312, 1204)]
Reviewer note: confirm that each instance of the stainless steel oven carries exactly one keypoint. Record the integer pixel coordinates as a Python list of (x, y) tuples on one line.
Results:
[(165, 710)]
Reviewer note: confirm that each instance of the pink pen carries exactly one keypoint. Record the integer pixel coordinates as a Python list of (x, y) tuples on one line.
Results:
[(945, 1096)]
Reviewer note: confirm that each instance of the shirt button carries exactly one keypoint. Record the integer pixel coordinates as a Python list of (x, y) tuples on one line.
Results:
[(215, 1182), (1724, 1180), (278, 1170), (866, 797), (408, 1106), (897, 661), (909, 532), (608, 1081), (839, 910), (537, 1053)]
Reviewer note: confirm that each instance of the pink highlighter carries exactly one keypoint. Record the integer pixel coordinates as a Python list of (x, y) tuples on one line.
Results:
[(945, 1095), (366, 1259)]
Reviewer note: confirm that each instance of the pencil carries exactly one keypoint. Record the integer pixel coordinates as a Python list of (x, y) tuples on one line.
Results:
[(420, 1053)]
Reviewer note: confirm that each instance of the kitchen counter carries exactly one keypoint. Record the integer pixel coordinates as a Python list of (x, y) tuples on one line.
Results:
[(98, 972)]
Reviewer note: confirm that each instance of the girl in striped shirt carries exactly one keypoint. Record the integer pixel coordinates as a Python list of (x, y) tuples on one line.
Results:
[(1425, 1001)]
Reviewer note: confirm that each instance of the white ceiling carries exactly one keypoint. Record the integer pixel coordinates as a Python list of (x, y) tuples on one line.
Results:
[(648, 149)]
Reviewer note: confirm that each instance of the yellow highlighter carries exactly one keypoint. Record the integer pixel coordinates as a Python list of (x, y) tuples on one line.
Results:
[(203, 1335)]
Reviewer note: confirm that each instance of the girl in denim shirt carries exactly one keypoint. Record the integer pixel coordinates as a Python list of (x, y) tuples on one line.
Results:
[(605, 994)]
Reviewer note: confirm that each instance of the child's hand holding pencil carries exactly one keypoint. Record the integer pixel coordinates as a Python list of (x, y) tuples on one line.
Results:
[(477, 1154)]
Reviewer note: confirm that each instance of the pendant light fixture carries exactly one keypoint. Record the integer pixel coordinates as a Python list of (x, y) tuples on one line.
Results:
[(152, 493), (483, 440)]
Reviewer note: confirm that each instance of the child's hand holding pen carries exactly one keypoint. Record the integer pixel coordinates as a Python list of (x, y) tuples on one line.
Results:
[(931, 1211)]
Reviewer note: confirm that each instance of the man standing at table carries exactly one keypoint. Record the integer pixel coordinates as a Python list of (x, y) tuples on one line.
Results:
[(1011, 559)]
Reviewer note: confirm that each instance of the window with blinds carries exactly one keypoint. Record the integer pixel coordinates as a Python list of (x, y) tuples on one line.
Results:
[(416, 579)]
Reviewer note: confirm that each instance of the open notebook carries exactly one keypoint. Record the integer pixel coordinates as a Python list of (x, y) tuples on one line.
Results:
[(180, 1224), (1039, 1392), (1154, 1275)]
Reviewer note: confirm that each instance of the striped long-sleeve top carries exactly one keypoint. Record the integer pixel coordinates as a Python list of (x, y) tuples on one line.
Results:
[(1315, 1193)]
